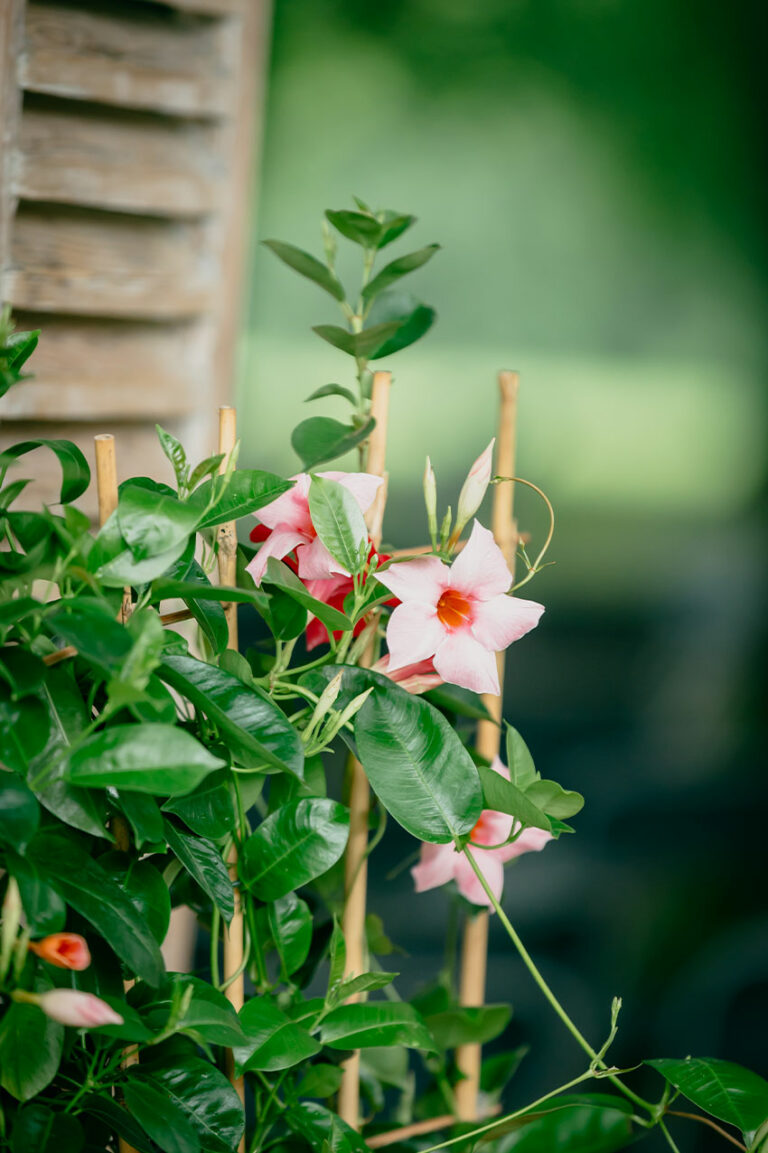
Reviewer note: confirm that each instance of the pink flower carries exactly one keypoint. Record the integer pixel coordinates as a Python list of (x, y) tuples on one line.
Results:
[(66, 950), (418, 678), (73, 1007), (291, 526), (440, 864), (457, 614), (474, 488)]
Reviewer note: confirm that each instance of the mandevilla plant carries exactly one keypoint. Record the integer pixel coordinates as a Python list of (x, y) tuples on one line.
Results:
[(137, 764)]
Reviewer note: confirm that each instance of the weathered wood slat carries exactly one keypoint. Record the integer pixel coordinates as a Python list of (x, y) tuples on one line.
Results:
[(100, 265), (205, 7), (135, 57), (112, 371), (11, 16), (146, 164)]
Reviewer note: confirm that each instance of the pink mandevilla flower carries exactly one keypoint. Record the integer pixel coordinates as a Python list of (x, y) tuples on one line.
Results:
[(81, 1010), (457, 614), (418, 678), (291, 526), (440, 864)]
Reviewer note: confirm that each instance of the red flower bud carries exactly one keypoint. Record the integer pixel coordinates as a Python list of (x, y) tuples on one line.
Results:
[(65, 950)]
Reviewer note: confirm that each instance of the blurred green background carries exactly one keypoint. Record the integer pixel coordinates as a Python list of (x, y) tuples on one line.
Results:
[(595, 171)]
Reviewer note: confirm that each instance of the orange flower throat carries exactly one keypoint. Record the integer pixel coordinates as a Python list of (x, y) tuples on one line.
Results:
[(453, 609)]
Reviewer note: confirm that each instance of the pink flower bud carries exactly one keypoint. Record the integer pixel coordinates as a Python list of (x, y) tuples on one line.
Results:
[(81, 1010), (474, 487), (65, 950)]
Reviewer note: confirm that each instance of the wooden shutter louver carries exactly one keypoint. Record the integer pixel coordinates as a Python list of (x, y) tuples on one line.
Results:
[(128, 131)]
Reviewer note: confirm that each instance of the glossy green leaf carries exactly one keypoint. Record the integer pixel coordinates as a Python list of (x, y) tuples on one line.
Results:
[(196, 589), (337, 955), (279, 575), (324, 1130), (107, 1110), (290, 923), (363, 983), (145, 758), (462, 1025), (360, 227), (113, 562), (247, 491), (258, 733), (338, 522), (144, 885), (332, 390), (204, 863), (30, 1050), (394, 224), (208, 811), (94, 895), (359, 1026), (590, 1123), (24, 729), (365, 345), (504, 797), (498, 1070), (209, 1017), (274, 1040), (306, 265), (90, 625), (522, 770), (75, 473), (38, 1128), (411, 319), (554, 800), (320, 439), (151, 524), (207, 1100), (174, 452), (143, 814), (320, 1081), (293, 846), (160, 1118), (23, 671), (725, 1090), (455, 699), (44, 909), (415, 762), (398, 268), (17, 609), (19, 811)]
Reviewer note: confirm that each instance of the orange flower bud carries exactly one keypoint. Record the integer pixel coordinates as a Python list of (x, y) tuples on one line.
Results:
[(65, 950)]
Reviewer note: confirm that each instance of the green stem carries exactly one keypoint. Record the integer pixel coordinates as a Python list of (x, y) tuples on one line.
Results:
[(215, 935), (550, 996), (511, 1116), (668, 1137)]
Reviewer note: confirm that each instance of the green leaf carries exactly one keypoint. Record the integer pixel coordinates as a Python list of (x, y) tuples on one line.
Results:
[(323, 1130), (143, 814), (106, 1110), (365, 345), (147, 758), (30, 1050), (415, 762), (359, 227), (22, 670), (274, 1041), (204, 863), (364, 983), (114, 564), (209, 1017), (411, 318), (498, 1070), (320, 1081), (337, 952), (293, 846), (152, 524), (174, 452), (44, 910), (554, 800), (725, 1090), (247, 491), (338, 522), (455, 699), (257, 732), (320, 439), (143, 884), (205, 468), (290, 923), (522, 771), (90, 891), (332, 390), (360, 1026), (16, 609), (208, 811), (38, 1128), (207, 1100), (19, 811), (90, 626), (504, 797), (592, 1123), (75, 473), (306, 265), (394, 224), (461, 1025), (280, 575), (397, 268), (160, 1117), (197, 589)]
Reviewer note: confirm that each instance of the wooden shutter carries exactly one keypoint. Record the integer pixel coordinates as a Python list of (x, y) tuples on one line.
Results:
[(128, 133)]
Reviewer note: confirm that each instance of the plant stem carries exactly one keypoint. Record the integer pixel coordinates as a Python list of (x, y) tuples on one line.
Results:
[(511, 1116), (668, 1137), (550, 996), (711, 1124)]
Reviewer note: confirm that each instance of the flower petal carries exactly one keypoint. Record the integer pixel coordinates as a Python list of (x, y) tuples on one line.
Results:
[(492, 828), (413, 634), (277, 544), (362, 485), (435, 868), (291, 510), (316, 563), (422, 580), (480, 570), (461, 660), (501, 620), (468, 884), (529, 841)]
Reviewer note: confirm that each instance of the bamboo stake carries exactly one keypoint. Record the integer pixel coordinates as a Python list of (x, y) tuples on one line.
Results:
[(355, 863), (106, 492), (474, 954), (234, 937)]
